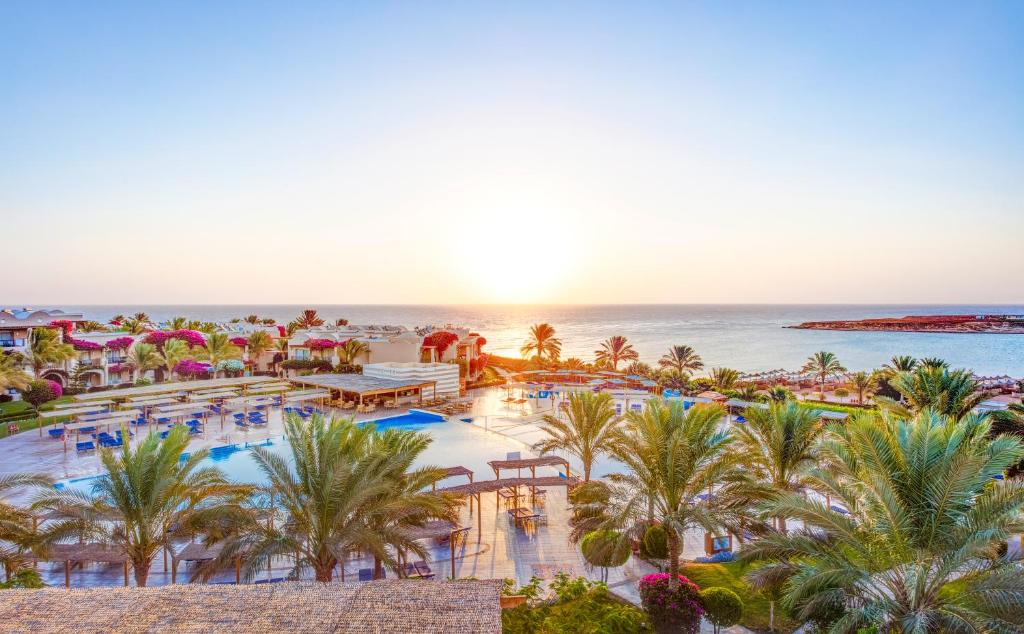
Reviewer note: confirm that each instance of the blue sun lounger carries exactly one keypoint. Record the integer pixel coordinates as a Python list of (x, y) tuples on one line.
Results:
[(56, 433), (85, 446)]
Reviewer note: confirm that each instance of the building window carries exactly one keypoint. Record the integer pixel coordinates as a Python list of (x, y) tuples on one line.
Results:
[(301, 354)]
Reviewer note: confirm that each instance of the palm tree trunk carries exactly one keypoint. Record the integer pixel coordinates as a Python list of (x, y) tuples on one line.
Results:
[(378, 568), (324, 574), (141, 568), (673, 557)]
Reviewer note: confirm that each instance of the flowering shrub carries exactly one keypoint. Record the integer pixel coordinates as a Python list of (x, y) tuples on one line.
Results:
[(39, 392), (671, 608), (117, 367), (80, 344), (231, 365), (55, 388), (241, 342), (321, 344), (191, 337), (120, 343), (440, 340), (188, 367), (481, 342)]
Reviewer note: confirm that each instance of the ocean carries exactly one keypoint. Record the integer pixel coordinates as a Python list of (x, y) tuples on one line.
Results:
[(746, 337)]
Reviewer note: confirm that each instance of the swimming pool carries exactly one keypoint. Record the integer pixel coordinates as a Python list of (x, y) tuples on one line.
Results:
[(454, 443)]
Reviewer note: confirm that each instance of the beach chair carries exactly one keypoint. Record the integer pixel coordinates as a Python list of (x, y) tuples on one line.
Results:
[(366, 574), (84, 446), (56, 433)]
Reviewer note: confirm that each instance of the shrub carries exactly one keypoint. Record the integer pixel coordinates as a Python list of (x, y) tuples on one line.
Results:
[(656, 542), (671, 608), (841, 392), (142, 382), (306, 364), (55, 388), (577, 605), (38, 392), (605, 549), (722, 607), (24, 578), (6, 398)]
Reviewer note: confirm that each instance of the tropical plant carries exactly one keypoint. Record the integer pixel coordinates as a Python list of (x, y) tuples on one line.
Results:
[(345, 488), (672, 602), (251, 319), (615, 350), (823, 365), (542, 345), (145, 492), (116, 320), (917, 549), (219, 349), (863, 383), (90, 326), (933, 363), (175, 351), (142, 316), (900, 363), (12, 373), (177, 323), (351, 350), (257, 344), (673, 379), (40, 391), (572, 363), (1010, 421), (746, 392), (605, 549), (675, 457), (683, 359), (724, 378), (308, 319), (135, 326), (722, 607), (778, 394), (17, 533), (778, 444), (46, 348), (589, 430), (142, 358), (639, 368), (949, 392)]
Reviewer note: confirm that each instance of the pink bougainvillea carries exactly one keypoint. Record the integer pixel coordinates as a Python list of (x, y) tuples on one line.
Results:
[(64, 325), (191, 337), (56, 388), (188, 367), (120, 343), (81, 344), (241, 342), (671, 607), (321, 344), (117, 368), (481, 342), (440, 340)]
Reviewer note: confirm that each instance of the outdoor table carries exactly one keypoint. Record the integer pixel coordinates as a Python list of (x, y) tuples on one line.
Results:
[(521, 515)]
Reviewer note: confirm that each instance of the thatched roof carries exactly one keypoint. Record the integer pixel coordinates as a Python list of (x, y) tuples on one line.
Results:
[(379, 606), (435, 529), (490, 486), (545, 461), (86, 553), (457, 471)]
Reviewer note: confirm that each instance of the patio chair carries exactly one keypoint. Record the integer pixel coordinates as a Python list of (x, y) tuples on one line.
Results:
[(84, 446), (56, 433)]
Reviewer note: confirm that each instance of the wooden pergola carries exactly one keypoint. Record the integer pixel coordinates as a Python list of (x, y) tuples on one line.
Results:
[(363, 387), (530, 463), (78, 554)]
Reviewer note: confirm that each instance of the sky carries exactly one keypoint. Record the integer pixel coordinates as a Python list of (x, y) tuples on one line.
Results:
[(472, 152)]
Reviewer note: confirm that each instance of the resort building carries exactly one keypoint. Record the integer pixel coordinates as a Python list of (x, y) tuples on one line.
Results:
[(16, 325), (445, 376)]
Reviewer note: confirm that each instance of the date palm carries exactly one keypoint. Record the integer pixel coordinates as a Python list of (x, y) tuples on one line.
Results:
[(682, 359), (917, 551), (778, 445), (572, 363), (90, 326), (1010, 421), (17, 532), (142, 358), (175, 351), (258, 343), (863, 383), (144, 492), (675, 456), (639, 368), (251, 319), (589, 431), (219, 349), (900, 363), (12, 373), (934, 362), (135, 326), (343, 489), (778, 394), (309, 319), (177, 323), (542, 345), (724, 378), (949, 392), (116, 320), (351, 350), (46, 348), (823, 365), (672, 379), (615, 350)]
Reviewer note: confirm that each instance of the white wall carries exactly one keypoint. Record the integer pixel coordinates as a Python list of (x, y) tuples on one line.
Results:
[(445, 374)]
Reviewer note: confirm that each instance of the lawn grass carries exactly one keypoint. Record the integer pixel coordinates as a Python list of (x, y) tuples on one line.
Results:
[(14, 408), (755, 606)]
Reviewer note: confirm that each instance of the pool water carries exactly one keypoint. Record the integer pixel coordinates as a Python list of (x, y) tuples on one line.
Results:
[(454, 443)]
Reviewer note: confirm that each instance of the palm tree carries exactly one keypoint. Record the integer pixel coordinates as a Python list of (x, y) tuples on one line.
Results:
[(17, 531), (673, 379), (258, 343), (90, 326), (145, 492), (116, 320), (934, 362), (1010, 421), (175, 351), (724, 378), (351, 350), (135, 326), (950, 393), (823, 365), (778, 445), (778, 394), (46, 348), (682, 358), (12, 373), (309, 319), (542, 344), (639, 368), (281, 347), (344, 489), (251, 319), (589, 431), (142, 358), (219, 349), (863, 383), (572, 363), (616, 349), (143, 317), (177, 323), (900, 363), (675, 456), (917, 550)]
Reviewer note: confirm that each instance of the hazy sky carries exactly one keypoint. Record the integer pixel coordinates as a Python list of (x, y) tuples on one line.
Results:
[(503, 152)]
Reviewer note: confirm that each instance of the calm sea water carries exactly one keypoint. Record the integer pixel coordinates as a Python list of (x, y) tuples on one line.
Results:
[(746, 337)]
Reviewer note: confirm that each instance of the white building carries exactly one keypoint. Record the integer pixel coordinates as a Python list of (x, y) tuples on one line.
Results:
[(446, 375)]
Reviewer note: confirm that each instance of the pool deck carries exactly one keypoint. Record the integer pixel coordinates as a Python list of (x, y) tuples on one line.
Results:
[(500, 550)]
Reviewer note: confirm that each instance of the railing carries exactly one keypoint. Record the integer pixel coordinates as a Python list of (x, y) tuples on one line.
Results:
[(12, 343)]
